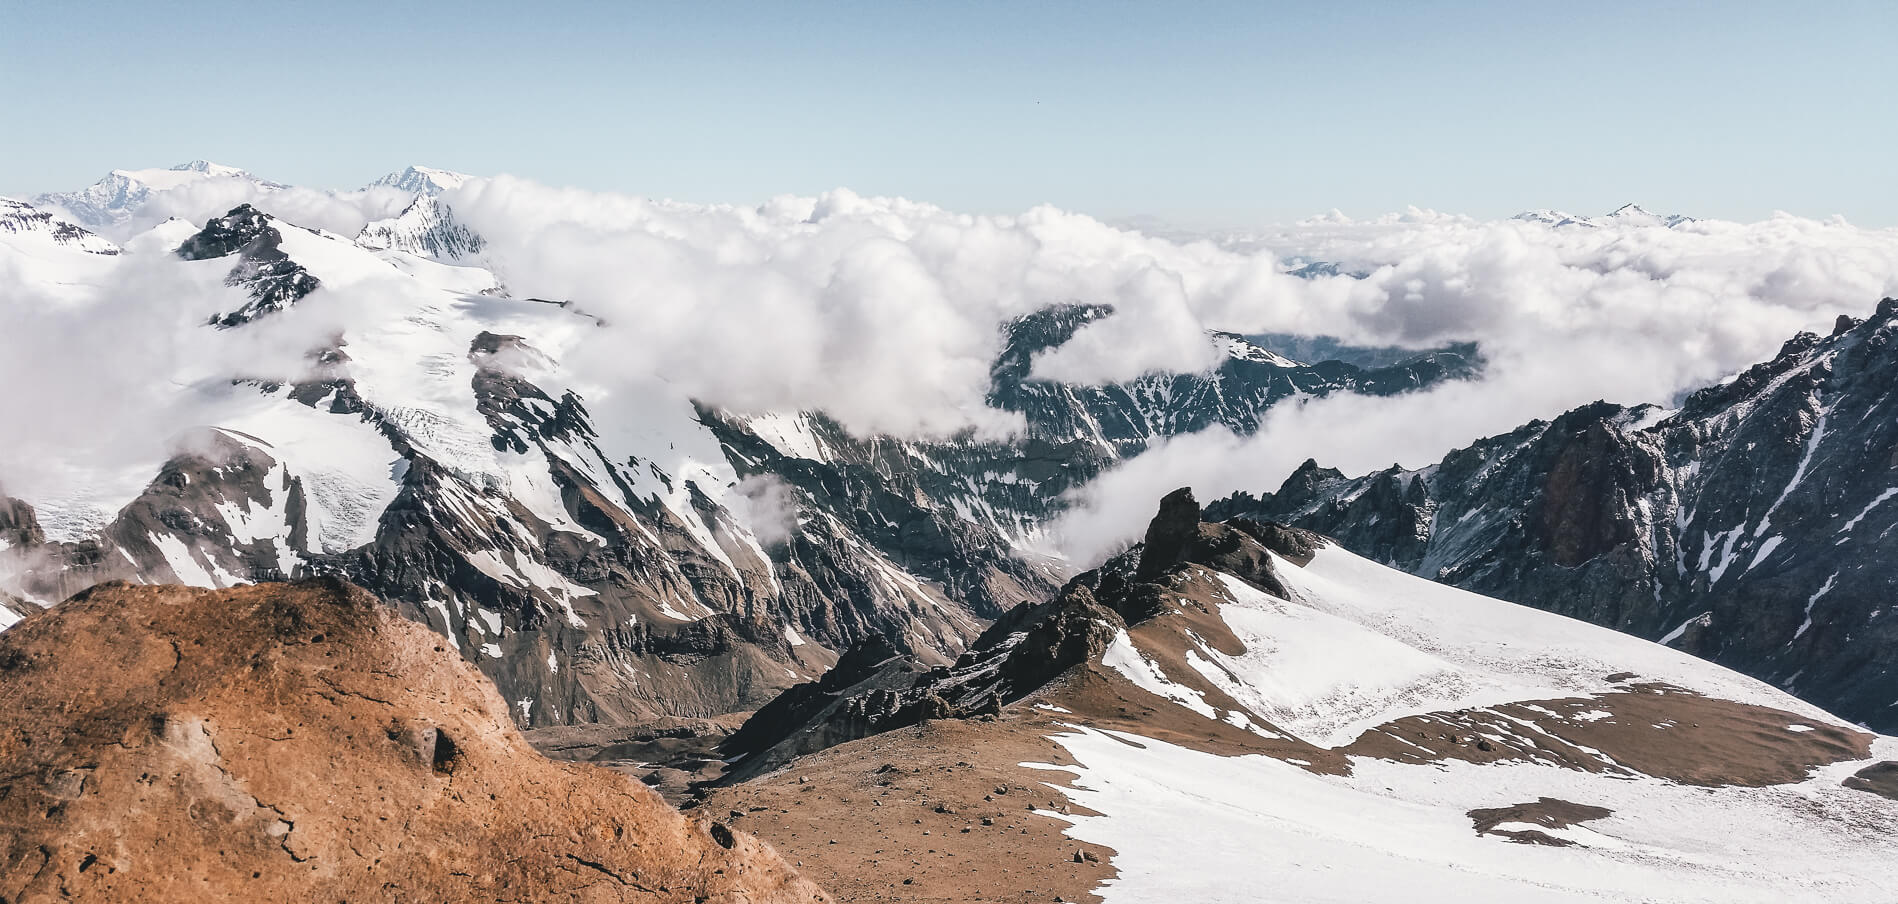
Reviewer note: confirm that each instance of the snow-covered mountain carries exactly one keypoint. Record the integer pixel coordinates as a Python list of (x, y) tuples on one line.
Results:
[(1753, 526), (28, 226), (422, 180), (1239, 706), (426, 228), (597, 572), (114, 200), (692, 563), (1625, 215)]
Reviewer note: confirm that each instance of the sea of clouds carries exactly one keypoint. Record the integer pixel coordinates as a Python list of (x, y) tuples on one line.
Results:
[(886, 314)]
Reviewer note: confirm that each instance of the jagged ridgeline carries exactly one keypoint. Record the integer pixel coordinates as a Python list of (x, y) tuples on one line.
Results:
[(1755, 526), (692, 564)]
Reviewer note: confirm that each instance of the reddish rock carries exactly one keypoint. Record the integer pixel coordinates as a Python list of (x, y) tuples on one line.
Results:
[(304, 743)]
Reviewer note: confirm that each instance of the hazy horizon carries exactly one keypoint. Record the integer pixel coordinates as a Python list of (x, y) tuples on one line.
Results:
[(1218, 116)]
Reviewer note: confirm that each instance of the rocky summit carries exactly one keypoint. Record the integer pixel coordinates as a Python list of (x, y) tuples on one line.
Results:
[(305, 743)]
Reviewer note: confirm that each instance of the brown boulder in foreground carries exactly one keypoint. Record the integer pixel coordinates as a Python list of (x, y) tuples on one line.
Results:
[(304, 743)]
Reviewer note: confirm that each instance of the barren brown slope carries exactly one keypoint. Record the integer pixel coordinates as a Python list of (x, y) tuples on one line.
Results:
[(304, 743)]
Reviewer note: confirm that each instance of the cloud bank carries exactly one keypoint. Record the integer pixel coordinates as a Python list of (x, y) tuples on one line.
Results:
[(1565, 316), (340, 212), (887, 313)]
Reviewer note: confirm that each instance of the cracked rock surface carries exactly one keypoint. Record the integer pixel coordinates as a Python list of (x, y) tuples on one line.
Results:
[(300, 743)]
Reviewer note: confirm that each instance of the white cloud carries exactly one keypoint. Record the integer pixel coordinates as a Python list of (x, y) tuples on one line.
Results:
[(343, 213), (1564, 316), (886, 313), (766, 505)]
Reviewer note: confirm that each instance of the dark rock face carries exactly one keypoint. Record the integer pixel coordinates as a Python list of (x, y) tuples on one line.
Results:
[(176, 531), (274, 280), (228, 234), (1757, 526), (875, 689), (1125, 417), (1170, 534), (944, 506)]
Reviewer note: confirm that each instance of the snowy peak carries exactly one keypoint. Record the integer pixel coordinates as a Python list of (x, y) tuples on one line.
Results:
[(24, 221), (426, 228), (1637, 215), (422, 180), (208, 168), (1554, 218), (167, 178), (116, 198), (1239, 348), (1625, 215), (274, 280)]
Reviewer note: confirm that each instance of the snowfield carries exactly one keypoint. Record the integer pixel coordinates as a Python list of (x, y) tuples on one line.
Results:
[(1191, 826), (1358, 645)]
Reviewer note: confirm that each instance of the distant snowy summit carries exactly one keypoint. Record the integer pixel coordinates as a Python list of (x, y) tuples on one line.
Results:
[(114, 199), (422, 180), (1625, 215)]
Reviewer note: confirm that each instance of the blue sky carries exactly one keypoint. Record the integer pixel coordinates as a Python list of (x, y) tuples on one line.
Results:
[(1207, 114)]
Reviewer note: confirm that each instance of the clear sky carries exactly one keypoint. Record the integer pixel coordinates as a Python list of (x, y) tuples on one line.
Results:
[(1208, 114)]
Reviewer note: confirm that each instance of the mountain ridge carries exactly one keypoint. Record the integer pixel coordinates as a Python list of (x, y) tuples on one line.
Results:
[(1608, 514)]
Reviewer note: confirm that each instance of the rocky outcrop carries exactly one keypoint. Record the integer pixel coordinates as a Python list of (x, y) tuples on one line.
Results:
[(274, 280), (302, 743), (874, 689), (18, 217)]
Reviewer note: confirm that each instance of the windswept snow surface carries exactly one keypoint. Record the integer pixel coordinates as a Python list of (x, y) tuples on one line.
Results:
[(1494, 651), (1357, 645), (1191, 826), (350, 473)]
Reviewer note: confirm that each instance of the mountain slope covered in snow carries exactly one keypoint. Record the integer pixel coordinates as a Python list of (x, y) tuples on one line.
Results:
[(1241, 706), (1754, 526)]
